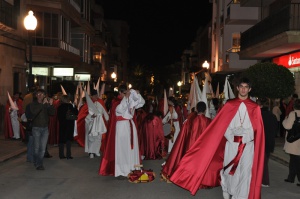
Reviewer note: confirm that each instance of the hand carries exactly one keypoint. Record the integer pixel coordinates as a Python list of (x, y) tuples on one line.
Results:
[(51, 101)]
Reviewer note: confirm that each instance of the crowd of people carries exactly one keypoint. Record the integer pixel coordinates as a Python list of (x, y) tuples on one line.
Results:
[(230, 149)]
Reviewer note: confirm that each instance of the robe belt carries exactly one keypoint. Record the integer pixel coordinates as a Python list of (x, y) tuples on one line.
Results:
[(174, 120), (238, 156), (120, 118)]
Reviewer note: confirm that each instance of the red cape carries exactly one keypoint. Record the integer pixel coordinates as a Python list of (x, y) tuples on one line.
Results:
[(192, 129), (200, 167), (53, 125), (83, 112), (107, 166), (152, 137), (140, 116)]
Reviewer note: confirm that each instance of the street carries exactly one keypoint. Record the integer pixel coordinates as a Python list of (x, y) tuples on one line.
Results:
[(78, 178)]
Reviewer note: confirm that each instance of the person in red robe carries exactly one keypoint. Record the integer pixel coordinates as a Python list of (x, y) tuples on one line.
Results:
[(53, 122), (152, 137), (203, 164), (82, 113), (192, 129), (8, 129), (107, 165), (140, 115)]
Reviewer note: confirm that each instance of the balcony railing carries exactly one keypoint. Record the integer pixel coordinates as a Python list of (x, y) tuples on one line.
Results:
[(287, 19)]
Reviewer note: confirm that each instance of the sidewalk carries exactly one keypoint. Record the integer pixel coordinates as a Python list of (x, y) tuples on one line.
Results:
[(12, 148)]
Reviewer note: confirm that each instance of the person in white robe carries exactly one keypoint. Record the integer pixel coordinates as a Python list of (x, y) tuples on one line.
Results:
[(172, 116), (126, 146), (94, 125)]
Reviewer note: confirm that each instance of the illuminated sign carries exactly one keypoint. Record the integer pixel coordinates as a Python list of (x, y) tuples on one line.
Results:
[(82, 77), (40, 71), (63, 71), (289, 61)]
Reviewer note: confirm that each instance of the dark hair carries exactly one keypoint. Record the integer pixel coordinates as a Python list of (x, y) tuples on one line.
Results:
[(244, 80), (295, 96), (215, 102), (65, 99), (297, 104), (122, 88), (41, 91), (201, 107)]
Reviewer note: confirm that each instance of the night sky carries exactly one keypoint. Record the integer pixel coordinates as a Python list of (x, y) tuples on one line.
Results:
[(160, 30)]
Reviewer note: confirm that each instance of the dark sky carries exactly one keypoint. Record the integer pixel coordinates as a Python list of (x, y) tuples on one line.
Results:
[(160, 30)]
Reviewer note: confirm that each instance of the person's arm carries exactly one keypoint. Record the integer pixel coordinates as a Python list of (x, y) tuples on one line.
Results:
[(289, 121)]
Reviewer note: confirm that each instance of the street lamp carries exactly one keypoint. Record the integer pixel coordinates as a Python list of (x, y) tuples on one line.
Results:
[(30, 23), (129, 86), (179, 84)]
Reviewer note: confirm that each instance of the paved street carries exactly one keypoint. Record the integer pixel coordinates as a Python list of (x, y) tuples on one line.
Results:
[(78, 178)]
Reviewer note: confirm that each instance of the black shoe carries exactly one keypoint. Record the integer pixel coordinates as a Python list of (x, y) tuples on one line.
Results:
[(298, 184), (69, 158), (48, 156), (40, 168), (287, 180), (62, 157)]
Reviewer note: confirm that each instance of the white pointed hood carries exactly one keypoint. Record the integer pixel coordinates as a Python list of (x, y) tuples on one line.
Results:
[(91, 106), (11, 102), (63, 90)]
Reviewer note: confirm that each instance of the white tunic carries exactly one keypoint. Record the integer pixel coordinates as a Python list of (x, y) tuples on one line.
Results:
[(238, 184), (165, 120), (15, 123), (94, 128), (125, 156)]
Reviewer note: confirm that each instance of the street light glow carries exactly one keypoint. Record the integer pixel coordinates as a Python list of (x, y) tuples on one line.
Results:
[(113, 75), (179, 83), (30, 21), (205, 65)]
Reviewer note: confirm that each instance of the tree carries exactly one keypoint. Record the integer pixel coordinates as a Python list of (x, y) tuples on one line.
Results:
[(270, 80)]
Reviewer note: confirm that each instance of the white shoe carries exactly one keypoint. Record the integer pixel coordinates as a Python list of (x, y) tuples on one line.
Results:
[(91, 155), (97, 154), (226, 195), (264, 185)]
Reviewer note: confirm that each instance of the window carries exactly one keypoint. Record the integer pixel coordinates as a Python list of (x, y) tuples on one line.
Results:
[(46, 33), (236, 43)]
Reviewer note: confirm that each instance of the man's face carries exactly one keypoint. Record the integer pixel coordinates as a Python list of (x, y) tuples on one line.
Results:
[(244, 90), (40, 96)]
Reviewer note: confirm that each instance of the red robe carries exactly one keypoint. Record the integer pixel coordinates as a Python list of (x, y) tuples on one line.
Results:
[(53, 125), (140, 115), (192, 129), (83, 112), (8, 131), (107, 165), (152, 138), (200, 166)]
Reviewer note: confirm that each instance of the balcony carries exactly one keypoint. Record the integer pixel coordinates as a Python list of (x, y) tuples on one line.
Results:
[(237, 15), (275, 35)]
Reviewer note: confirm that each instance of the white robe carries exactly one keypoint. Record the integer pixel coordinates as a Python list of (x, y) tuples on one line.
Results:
[(165, 120), (15, 123), (238, 184), (125, 157), (94, 128)]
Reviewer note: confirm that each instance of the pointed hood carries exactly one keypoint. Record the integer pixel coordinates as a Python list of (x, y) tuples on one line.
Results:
[(165, 103), (217, 91), (11, 102), (63, 90), (102, 90), (88, 88), (97, 87), (195, 93), (204, 96), (228, 91), (91, 106)]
